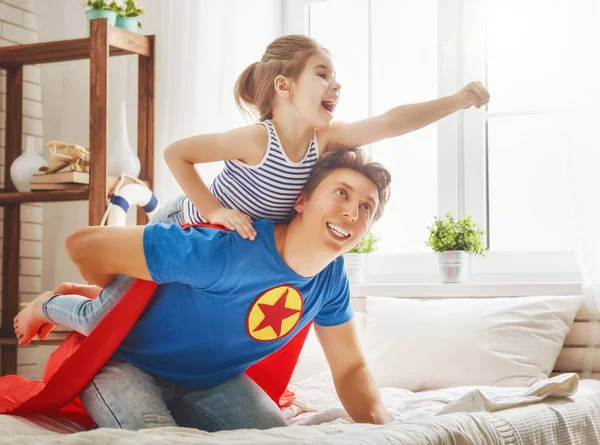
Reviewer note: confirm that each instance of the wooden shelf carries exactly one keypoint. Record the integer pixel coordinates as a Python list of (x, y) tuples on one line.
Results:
[(77, 194), (54, 338), (120, 42), (81, 193), (105, 41)]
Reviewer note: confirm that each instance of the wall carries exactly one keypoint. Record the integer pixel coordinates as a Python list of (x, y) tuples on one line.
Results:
[(18, 25)]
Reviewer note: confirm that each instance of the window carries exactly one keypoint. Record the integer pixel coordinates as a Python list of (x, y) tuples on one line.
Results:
[(528, 187), (378, 69), (502, 165)]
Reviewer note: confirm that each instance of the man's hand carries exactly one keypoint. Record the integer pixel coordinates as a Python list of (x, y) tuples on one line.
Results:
[(233, 220), (354, 384), (474, 94)]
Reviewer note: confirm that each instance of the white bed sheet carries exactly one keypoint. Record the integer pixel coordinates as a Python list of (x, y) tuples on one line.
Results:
[(317, 417)]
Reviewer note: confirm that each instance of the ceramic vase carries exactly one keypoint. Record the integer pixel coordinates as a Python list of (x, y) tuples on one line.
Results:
[(120, 157), (25, 166)]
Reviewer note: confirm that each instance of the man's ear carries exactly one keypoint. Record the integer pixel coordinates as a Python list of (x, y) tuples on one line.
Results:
[(282, 86), (300, 203)]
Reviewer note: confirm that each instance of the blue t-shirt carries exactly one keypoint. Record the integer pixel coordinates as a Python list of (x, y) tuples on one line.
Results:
[(225, 303)]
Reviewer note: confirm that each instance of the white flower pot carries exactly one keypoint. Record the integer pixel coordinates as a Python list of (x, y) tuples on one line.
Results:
[(25, 166), (356, 267), (455, 266)]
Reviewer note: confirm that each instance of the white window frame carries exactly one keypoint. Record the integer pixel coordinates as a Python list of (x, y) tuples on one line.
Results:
[(462, 164)]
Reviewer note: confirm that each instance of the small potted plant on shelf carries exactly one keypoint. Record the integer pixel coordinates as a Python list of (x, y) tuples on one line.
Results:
[(356, 259), (128, 15), (456, 241), (103, 9)]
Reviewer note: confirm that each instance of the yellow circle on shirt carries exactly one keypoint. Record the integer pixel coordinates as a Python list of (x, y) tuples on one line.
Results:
[(274, 313)]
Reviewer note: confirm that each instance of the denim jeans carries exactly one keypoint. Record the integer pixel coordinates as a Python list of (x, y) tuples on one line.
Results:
[(171, 212), (83, 314), (123, 396)]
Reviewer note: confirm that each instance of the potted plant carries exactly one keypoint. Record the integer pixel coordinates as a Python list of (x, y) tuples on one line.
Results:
[(356, 260), (456, 241), (103, 9), (128, 15)]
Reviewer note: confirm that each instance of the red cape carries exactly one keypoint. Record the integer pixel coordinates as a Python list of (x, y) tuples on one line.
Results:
[(79, 358)]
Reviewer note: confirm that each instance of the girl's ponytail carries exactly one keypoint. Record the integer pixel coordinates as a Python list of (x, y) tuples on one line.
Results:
[(245, 90)]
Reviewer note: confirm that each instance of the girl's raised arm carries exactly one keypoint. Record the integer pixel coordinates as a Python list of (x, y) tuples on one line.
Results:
[(247, 144), (402, 119)]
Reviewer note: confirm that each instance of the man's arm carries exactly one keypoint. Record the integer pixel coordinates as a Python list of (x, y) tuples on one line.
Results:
[(354, 383), (102, 252)]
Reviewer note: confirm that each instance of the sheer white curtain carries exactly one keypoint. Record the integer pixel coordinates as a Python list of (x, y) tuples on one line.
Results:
[(202, 46), (579, 101)]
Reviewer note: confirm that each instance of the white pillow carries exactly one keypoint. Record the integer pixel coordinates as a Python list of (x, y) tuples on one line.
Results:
[(312, 359), (433, 344)]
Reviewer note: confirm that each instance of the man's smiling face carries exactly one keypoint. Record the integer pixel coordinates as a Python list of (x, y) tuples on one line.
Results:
[(340, 210)]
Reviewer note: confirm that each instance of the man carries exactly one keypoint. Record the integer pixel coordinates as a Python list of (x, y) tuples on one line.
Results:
[(225, 303)]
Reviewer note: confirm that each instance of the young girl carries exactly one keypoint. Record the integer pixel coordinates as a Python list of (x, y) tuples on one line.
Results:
[(294, 91)]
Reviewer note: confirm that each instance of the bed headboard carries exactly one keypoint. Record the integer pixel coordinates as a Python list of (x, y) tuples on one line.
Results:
[(573, 354)]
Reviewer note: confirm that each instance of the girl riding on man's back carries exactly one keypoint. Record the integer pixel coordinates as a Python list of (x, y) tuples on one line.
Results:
[(294, 91)]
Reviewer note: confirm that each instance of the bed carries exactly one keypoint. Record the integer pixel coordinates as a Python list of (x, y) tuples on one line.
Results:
[(562, 408)]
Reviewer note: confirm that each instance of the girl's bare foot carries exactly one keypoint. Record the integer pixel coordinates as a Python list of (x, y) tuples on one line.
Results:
[(31, 321), (45, 329)]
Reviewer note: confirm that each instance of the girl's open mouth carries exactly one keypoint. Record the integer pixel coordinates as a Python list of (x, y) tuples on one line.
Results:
[(329, 105)]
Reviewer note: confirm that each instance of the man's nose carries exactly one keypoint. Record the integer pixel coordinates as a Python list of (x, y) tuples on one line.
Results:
[(351, 212)]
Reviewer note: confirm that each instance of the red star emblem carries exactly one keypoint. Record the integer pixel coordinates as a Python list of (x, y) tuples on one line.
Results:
[(275, 314)]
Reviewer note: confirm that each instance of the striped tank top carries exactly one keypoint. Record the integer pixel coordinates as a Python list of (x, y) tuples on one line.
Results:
[(267, 190)]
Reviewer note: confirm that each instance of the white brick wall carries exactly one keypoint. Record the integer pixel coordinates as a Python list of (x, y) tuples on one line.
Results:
[(18, 25)]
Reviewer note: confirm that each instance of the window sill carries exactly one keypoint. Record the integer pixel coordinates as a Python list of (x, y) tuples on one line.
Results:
[(468, 290)]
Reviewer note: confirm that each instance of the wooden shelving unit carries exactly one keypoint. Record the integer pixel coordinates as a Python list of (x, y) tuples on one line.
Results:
[(105, 41)]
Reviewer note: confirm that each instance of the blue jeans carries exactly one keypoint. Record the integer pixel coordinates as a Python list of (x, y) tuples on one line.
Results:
[(123, 396), (171, 212)]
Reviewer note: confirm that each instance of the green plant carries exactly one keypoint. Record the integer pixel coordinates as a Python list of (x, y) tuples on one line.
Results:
[(109, 5), (124, 8), (131, 9), (450, 234), (367, 244)]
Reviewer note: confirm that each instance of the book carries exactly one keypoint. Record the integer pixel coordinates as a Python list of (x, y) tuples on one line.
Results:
[(55, 186), (111, 183), (62, 177)]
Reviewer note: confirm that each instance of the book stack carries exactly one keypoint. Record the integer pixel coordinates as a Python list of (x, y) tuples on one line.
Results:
[(60, 181), (71, 180)]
